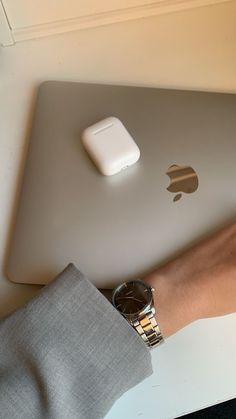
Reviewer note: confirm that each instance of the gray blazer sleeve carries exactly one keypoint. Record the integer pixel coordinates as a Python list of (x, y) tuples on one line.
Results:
[(67, 354)]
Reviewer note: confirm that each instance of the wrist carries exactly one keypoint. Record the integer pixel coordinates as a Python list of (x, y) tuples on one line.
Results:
[(177, 304)]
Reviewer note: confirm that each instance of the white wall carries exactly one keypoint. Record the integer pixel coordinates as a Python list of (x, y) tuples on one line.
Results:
[(24, 13), (27, 19)]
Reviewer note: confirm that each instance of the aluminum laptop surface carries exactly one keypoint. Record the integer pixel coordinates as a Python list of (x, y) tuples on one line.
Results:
[(119, 227)]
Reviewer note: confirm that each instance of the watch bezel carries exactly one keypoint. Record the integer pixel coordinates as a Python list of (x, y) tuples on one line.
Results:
[(136, 314)]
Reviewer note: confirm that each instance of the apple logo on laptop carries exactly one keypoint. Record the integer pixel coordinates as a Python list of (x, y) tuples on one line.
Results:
[(182, 179)]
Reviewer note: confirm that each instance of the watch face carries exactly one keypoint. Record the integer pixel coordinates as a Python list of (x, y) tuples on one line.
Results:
[(132, 297)]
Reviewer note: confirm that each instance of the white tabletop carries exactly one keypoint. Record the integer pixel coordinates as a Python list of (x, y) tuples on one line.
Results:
[(192, 49)]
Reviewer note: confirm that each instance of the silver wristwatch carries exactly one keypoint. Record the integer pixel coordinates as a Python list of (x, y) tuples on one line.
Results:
[(134, 300)]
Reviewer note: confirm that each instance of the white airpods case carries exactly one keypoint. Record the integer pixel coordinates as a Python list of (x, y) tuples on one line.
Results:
[(110, 146)]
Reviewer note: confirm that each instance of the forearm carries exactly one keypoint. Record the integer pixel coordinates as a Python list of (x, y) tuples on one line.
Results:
[(176, 304), (198, 284)]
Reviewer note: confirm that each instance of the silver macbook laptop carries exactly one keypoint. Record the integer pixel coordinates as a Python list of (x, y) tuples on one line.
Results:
[(120, 227)]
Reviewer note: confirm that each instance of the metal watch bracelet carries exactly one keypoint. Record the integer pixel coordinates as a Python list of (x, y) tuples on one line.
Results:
[(148, 329)]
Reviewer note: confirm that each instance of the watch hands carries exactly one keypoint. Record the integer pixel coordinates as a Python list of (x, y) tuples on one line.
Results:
[(129, 298)]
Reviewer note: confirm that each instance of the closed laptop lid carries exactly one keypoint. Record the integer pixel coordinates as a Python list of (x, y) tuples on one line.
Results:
[(120, 227)]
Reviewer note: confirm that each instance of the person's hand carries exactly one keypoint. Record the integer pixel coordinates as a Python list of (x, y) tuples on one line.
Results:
[(200, 283)]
